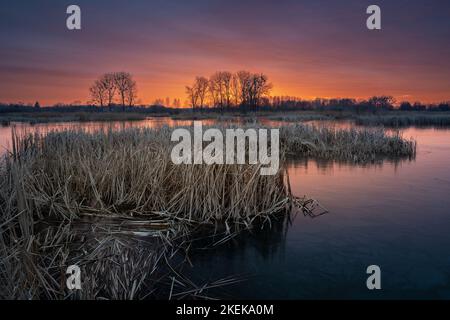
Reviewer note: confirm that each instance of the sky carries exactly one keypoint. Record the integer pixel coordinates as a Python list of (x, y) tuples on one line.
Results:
[(308, 49)]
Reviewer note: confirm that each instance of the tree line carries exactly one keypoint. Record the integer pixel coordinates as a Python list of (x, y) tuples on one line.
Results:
[(370, 105), (114, 87), (276, 103), (225, 89)]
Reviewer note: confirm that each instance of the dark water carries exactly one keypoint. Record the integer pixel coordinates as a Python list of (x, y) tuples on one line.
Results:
[(394, 215)]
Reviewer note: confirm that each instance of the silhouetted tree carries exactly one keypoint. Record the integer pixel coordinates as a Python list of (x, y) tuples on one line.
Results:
[(104, 90), (201, 85), (418, 106), (98, 92), (226, 89), (176, 103), (131, 94), (192, 94), (405, 106), (226, 78), (110, 87), (259, 88), (244, 83), (235, 89), (126, 88), (443, 106), (382, 102), (216, 89), (159, 102)]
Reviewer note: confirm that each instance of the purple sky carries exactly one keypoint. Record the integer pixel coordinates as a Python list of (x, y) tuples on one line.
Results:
[(307, 48)]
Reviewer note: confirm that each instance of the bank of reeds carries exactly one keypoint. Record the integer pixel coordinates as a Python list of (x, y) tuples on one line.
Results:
[(405, 119), (49, 185), (71, 173), (80, 116), (130, 172), (113, 265), (253, 116), (359, 145), (298, 117), (126, 175)]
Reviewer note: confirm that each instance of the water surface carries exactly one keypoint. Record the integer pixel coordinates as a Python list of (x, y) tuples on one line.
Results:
[(394, 214)]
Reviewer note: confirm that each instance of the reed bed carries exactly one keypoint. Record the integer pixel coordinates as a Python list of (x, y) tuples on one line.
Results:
[(405, 120), (353, 145), (128, 176), (66, 174), (299, 117), (113, 265), (78, 116), (146, 207)]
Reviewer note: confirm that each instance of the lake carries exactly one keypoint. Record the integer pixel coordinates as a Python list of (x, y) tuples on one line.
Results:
[(393, 214)]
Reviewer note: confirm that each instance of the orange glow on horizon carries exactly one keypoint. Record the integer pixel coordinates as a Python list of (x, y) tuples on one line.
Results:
[(149, 92), (307, 51)]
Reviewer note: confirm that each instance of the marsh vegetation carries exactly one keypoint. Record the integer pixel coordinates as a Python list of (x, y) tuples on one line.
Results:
[(113, 203), (405, 119), (77, 116), (62, 178)]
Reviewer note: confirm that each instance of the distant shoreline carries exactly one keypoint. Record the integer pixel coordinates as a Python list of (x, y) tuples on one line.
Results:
[(392, 118)]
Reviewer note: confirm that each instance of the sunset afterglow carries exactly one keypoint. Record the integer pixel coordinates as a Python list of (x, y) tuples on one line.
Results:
[(308, 49)]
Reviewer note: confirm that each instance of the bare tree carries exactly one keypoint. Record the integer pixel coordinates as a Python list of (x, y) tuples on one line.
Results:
[(159, 102), (244, 83), (192, 94), (131, 93), (227, 89), (176, 103), (104, 89), (98, 92), (110, 86), (197, 93), (259, 88), (201, 85), (235, 90), (216, 89), (125, 86), (382, 102), (226, 78)]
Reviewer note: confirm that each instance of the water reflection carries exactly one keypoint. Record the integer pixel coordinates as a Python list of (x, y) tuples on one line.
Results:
[(393, 213), (5, 130), (327, 167), (213, 258)]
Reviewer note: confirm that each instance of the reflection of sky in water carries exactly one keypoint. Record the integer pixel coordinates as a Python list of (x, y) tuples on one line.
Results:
[(395, 215), (392, 215), (5, 131)]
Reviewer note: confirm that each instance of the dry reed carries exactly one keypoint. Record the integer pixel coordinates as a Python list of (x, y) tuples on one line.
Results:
[(127, 180), (128, 176), (406, 119), (354, 145)]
